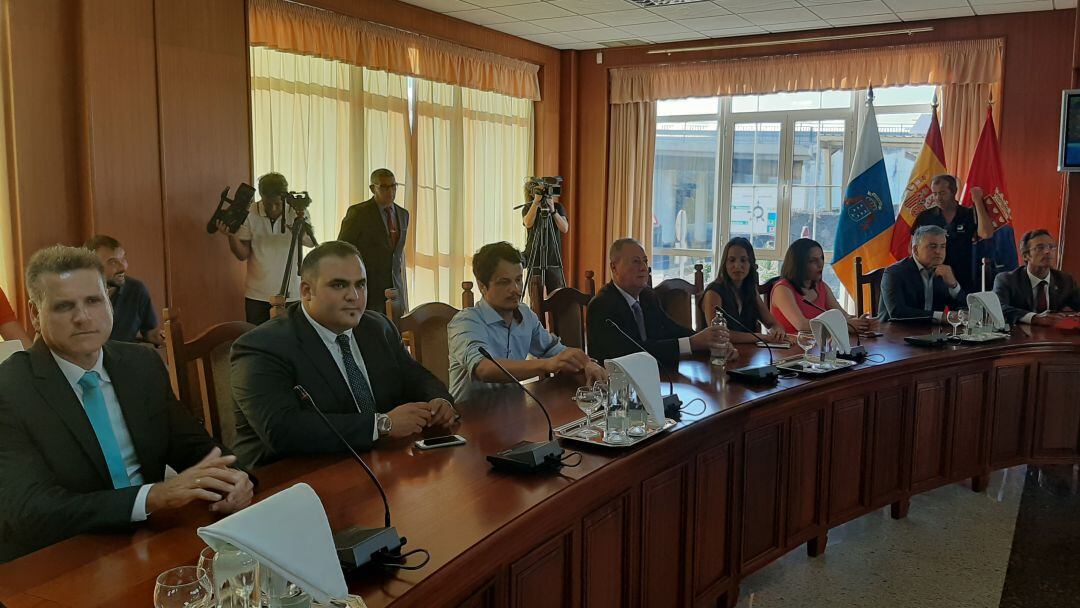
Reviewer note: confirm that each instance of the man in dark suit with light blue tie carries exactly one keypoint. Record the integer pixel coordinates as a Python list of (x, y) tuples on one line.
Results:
[(920, 286), (87, 426)]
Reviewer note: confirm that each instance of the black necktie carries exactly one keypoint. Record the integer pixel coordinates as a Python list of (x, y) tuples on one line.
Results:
[(361, 393)]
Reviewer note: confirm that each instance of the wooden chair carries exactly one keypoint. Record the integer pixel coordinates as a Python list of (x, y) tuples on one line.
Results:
[(564, 311), (873, 279), (680, 299), (540, 305), (208, 355), (425, 326), (765, 289), (988, 271)]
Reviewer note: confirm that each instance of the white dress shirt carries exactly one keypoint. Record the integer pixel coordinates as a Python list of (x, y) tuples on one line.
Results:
[(928, 284), (270, 241), (73, 373), (1035, 293), (684, 343), (329, 339)]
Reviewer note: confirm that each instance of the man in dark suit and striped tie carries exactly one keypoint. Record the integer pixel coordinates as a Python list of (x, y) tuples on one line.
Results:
[(87, 426), (1037, 293)]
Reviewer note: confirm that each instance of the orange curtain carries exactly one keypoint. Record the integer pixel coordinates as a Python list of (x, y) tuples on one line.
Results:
[(296, 28), (963, 112), (962, 62), (630, 172)]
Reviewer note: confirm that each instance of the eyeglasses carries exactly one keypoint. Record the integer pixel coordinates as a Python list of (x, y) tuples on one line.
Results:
[(1043, 248), (389, 187)]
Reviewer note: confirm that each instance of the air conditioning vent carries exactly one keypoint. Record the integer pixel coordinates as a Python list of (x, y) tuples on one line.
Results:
[(632, 42), (655, 3)]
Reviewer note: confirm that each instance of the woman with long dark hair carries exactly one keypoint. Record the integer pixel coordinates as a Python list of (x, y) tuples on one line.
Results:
[(735, 290), (804, 264)]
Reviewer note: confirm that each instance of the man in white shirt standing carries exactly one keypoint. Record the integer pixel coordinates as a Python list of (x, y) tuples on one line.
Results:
[(87, 426), (263, 242), (1037, 293)]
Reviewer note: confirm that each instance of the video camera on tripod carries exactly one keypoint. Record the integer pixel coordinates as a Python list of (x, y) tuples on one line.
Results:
[(234, 215), (299, 201), (546, 187)]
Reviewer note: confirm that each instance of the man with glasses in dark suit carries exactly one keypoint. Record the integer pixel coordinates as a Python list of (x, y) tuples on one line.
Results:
[(378, 227), (1037, 293)]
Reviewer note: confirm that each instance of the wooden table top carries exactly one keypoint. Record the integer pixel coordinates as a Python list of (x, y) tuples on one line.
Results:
[(446, 500)]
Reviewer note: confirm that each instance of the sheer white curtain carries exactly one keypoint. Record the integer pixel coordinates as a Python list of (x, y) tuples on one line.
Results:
[(462, 154), (326, 126)]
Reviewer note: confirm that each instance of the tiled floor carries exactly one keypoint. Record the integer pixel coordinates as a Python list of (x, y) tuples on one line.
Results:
[(953, 550)]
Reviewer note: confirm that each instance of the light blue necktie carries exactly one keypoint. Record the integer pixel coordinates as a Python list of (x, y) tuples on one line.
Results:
[(94, 404)]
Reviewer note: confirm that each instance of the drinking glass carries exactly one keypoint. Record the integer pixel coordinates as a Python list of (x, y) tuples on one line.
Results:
[(236, 579), (206, 562), (953, 318), (588, 401), (183, 587), (615, 418), (965, 318), (635, 414), (806, 341)]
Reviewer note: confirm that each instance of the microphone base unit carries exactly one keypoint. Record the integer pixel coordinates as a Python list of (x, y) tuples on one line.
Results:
[(937, 340), (529, 457), (357, 547), (761, 375), (857, 354), (671, 402)]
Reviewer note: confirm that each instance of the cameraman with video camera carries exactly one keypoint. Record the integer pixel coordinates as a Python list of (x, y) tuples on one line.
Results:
[(263, 241), (545, 221)]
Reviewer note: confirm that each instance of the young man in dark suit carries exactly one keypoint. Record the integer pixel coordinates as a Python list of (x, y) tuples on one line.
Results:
[(377, 227), (87, 425), (628, 302), (1037, 293), (920, 286), (351, 361)]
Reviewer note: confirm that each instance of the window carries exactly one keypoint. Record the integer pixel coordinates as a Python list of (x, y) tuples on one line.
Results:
[(770, 168), (462, 155)]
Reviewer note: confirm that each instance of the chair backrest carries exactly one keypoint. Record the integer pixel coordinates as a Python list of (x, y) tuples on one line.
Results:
[(765, 289), (988, 270), (873, 279), (681, 299), (207, 355), (426, 327), (468, 300), (564, 311)]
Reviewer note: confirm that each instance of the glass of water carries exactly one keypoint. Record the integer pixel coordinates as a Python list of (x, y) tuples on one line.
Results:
[(236, 579), (953, 318), (806, 341), (635, 414), (615, 420)]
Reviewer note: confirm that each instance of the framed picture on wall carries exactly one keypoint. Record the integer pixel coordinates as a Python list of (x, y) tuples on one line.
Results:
[(1069, 147)]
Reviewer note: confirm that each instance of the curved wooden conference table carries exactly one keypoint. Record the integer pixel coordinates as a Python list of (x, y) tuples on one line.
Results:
[(677, 521)]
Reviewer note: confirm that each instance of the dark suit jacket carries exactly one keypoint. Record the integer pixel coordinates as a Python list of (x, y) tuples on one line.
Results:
[(605, 342), (1013, 288), (364, 228), (54, 482), (268, 361), (903, 295)]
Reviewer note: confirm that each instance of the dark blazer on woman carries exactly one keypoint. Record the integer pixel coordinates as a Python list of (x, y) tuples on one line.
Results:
[(365, 228), (54, 482), (268, 361), (749, 317)]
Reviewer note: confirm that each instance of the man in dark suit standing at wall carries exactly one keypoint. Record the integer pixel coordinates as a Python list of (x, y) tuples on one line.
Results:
[(1037, 293), (377, 227), (87, 425), (351, 362), (629, 302), (920, 286)]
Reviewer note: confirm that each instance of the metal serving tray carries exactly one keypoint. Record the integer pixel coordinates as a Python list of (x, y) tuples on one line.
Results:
[(569, 431), (799, 365)]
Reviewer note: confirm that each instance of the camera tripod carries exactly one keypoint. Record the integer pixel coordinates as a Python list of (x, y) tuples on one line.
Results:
[(544, 238), (299, 229)]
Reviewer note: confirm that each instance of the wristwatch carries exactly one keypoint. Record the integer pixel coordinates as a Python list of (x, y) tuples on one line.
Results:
[(384, 424)]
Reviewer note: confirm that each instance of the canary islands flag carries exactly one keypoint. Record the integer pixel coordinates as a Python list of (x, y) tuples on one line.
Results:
[(866, 218)]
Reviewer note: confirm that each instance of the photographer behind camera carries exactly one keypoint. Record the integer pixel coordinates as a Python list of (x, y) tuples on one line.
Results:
[(541, 213), (263, 242)]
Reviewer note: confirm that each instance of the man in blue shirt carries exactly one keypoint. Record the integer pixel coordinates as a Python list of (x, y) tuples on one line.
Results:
[(134, 319), (508, 329)]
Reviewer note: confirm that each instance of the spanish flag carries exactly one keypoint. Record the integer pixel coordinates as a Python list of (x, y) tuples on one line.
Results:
[(866, 219), (917, 196)]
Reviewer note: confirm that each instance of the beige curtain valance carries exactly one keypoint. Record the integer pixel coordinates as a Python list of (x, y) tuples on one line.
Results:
[(943, 63), (296, 28)]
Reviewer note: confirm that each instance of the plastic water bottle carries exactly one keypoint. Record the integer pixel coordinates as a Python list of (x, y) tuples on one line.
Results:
[(718, 354)]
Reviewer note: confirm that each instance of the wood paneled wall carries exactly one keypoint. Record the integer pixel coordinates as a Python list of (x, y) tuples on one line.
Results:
[(1038, 65), (127, 118)]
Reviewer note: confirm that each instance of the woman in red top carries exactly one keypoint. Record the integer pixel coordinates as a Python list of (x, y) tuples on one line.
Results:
[(9, 325), (801, 280)]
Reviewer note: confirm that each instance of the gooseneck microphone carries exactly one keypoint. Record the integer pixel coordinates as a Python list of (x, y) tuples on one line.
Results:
[(527, 456), (858, 352), (672, 403), (762, 374), (358, 546)]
